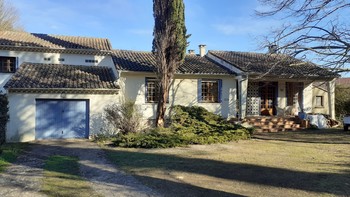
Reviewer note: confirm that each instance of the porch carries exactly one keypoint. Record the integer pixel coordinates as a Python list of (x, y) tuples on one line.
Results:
[(285, 97), (271, 98), (274, 106)]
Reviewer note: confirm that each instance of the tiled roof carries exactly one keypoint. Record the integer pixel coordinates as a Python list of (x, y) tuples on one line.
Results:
[(343, 81), (271, 64), (58, 76), (24, 39), (146, 62)]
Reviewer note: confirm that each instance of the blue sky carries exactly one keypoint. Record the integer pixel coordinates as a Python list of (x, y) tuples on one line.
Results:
[(224, 25), (128, 24)]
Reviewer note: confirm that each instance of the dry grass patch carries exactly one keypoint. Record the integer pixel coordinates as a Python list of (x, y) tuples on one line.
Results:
[(258, 167), (61, 178)]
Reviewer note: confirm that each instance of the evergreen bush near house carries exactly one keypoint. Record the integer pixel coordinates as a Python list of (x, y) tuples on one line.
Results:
[(189, 125), (3, 117), (342, 101)]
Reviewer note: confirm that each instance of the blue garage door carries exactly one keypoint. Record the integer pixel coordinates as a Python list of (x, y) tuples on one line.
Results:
[(56, 119)]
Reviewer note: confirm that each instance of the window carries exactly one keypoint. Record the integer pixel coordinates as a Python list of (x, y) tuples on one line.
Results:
[(7, 64), (319, 101), (91, 61), (152, 90), (209, 90), (47, 59), (61, 59)]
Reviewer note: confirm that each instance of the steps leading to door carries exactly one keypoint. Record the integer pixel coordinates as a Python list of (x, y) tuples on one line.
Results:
[(273, 124)]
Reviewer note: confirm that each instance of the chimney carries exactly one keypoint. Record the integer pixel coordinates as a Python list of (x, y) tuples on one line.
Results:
[(273, 48), (191, 52), (202, 50)]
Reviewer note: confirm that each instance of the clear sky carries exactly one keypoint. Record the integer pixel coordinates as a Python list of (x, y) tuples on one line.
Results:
[(128, 24), (220, 24)]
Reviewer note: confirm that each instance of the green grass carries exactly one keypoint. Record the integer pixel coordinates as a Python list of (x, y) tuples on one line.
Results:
[(61, 178), (313, 163), (9, 154)]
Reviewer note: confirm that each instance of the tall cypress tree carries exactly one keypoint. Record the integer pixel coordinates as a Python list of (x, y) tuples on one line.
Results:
[(169, 47)]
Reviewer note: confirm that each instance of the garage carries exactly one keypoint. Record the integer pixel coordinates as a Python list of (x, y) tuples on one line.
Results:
[(56, 101), (61, 119)]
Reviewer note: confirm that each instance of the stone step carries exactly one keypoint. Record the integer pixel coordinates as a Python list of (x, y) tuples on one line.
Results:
[(274, 124)]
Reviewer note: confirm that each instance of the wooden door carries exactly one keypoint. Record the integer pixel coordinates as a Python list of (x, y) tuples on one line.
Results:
[(268, 98)]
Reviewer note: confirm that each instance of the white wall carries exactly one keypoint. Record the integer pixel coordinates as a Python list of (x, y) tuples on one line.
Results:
[(183, 92), (21, 126), (308, 97), (4, 77), (38, 57), (320, 109)]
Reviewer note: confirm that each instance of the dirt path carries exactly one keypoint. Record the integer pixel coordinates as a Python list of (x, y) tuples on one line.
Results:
[(23, 178)]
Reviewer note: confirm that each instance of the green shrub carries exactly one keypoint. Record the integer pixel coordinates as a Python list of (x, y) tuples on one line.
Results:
[(189, 125), (155, 138), (342, 101), (3, 117)]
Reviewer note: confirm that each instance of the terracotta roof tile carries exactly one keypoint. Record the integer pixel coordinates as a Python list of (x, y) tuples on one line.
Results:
[(343, 81), (272, 64), (146, 62), (42, 76), (24, 39)]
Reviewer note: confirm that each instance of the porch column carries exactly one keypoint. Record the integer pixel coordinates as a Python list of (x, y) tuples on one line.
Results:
[(331, 98), (281, 100), (243, 83)]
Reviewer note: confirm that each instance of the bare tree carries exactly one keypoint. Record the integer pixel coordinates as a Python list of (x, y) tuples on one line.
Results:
[(169, 47), (313, 28), (9, 17)]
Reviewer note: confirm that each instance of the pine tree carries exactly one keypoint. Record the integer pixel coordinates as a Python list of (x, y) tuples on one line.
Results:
[(169, 47)]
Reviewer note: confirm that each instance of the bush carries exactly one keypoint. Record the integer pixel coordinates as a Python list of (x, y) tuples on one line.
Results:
[(189, 125), (3, 117), (125, 118), (155, 138), (342, 101)]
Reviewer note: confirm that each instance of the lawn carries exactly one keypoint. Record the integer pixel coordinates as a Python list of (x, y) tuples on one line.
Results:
[(61, 178), (306, 163), (9, 153)]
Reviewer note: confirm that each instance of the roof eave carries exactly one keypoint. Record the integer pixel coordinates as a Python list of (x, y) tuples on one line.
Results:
[(177, 73), (64, 90), (56, 50), (292, 76)]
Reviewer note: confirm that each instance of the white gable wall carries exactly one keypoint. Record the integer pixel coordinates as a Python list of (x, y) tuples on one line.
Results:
[(38, 57)]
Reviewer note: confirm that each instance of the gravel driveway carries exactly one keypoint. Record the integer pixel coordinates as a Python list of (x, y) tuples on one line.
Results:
[(23, 177)]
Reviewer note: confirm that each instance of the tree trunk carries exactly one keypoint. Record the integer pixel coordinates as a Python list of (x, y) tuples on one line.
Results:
[(163, 97), (169, 47)]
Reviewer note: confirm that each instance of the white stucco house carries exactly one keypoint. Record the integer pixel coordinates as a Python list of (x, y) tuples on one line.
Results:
[(58, 86)]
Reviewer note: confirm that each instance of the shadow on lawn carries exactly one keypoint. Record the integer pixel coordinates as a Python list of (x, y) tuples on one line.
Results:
[(176, 189), (112, 177), (331, 183), (322, 136)]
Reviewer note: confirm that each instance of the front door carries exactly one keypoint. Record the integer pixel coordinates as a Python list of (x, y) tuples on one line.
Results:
[(268, 94)]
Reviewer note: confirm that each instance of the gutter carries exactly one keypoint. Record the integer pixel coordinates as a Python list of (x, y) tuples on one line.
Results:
[(64, 90), (150, 72), (56, 50)]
